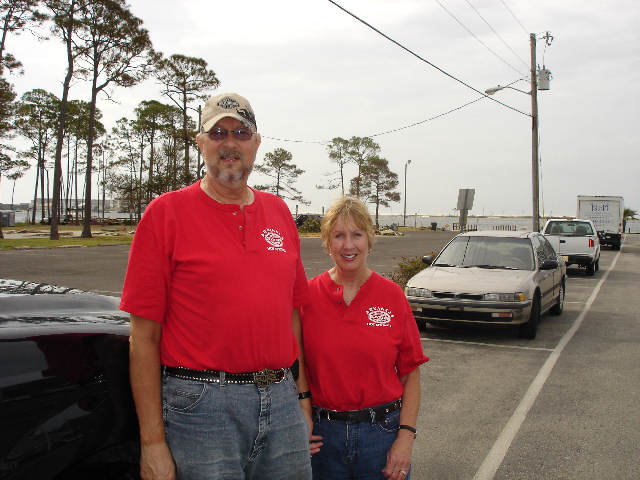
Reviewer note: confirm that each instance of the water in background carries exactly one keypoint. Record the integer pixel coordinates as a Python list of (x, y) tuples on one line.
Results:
[(443, 222), (478, 223)]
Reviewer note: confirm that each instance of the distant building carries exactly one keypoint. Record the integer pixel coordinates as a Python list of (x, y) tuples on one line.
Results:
[(96, 205)]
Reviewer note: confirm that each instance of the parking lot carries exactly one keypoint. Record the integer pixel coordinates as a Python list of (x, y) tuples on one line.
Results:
[(562, 406)]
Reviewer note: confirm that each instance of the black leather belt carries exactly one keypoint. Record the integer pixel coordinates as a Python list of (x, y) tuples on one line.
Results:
[(373, 414), (263, 378)]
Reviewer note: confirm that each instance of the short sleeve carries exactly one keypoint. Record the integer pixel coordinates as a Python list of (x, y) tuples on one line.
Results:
[(410, 355), (144, 293)]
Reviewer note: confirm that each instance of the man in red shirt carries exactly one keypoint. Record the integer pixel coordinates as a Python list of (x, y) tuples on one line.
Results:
[(213, 287)]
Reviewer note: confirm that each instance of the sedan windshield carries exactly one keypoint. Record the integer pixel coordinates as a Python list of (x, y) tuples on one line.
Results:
[(488, 252)]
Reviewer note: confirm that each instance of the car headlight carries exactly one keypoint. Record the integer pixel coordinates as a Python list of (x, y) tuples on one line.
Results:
[(418, 292), (504, 297)]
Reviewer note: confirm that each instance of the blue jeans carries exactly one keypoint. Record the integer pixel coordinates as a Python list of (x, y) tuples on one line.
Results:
[(230, 431), (353, 450)]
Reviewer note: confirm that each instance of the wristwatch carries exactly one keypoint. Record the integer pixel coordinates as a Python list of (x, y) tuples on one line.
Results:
[(411, 429)]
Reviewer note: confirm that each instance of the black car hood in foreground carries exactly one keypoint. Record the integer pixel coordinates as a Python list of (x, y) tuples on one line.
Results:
[(65, 403)]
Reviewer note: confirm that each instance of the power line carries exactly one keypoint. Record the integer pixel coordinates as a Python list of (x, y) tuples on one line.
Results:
[(477, 39), (426, 61), (415, 124), (514, 17), (498, 35), (295, 141), (429, 119)]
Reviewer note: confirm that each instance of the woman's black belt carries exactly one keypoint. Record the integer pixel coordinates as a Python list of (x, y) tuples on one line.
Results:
[(263, 378), (373, 414)]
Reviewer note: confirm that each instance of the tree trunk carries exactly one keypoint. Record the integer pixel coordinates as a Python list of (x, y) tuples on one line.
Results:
[(62, 118), (5, 28), (14, 185), (35, 197), (86, 222), (150, 176), (48, 192), (186, 136), (67, 201), (75, 168), (41, 164), (12, 192)]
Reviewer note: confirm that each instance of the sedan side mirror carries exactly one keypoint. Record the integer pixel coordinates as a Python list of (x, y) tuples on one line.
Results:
[(427, 259), (549, 265)]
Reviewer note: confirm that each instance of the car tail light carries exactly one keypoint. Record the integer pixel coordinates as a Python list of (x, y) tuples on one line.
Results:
[(591, 243)]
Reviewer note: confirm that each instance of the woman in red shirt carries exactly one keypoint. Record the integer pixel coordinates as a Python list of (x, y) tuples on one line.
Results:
[(362, 352)]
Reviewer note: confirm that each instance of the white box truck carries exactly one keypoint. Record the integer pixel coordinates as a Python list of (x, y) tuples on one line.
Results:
[(606, 213)]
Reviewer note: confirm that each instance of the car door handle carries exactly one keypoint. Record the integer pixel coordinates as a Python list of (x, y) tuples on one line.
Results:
[(563, 241)]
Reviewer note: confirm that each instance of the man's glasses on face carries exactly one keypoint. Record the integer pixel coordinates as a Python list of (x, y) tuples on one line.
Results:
[(218, 134)]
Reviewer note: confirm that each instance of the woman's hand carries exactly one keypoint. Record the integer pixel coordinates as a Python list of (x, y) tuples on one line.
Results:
[(399, 456)]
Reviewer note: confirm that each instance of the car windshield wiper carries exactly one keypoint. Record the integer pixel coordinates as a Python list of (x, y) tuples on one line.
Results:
[(444, 265), (501, 267)]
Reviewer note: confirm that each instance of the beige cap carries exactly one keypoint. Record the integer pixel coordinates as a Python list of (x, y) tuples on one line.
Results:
[(227, 105)]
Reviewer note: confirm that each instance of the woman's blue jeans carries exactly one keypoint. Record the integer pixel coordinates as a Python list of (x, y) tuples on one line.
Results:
[(353, 450), (231, 431)]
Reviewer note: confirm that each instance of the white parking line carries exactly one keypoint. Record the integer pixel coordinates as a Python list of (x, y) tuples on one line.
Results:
[(496, 455), (520, 347)]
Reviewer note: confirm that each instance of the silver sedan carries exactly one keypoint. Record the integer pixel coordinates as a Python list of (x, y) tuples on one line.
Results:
[(492, 277)]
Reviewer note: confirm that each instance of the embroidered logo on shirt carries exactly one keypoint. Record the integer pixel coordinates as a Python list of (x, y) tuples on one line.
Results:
[(379, 317), (273, 239)]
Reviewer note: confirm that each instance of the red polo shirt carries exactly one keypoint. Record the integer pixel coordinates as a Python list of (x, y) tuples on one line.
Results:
[(222, 281), (355, 354)]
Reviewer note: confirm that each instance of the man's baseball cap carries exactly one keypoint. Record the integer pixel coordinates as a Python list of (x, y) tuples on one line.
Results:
[(227, 105)]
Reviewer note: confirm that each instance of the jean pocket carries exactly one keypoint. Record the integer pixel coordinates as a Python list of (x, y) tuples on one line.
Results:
[(390, 424), (182, 395)]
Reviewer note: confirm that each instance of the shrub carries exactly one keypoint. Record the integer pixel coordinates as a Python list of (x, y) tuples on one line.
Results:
[(310, 225), (407, 268)]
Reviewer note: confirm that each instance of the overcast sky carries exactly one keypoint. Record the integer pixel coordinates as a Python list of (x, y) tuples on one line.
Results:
[(312, 73)]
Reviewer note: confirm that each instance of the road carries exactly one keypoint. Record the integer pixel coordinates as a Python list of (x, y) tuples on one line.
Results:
[(562, 406)]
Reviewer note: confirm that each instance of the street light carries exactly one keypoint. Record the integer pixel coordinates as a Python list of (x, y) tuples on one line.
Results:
[(534, 130), (404, 215), (497, 88)]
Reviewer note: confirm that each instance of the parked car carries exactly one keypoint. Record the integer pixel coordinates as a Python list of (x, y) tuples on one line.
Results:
[(66, 410), (576, 241), (492, 278)]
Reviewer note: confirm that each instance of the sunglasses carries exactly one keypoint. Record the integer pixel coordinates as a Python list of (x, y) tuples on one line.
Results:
[(219, 134)]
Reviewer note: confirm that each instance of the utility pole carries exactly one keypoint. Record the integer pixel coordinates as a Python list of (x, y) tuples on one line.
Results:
[(404, 214), (534, 136)]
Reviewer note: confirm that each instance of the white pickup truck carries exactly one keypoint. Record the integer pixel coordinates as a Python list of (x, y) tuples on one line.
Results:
[(576, 241)]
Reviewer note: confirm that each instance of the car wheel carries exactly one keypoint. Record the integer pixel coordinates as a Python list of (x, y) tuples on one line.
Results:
[(559, 306), (591, 269), (616, 246), (528, 330)]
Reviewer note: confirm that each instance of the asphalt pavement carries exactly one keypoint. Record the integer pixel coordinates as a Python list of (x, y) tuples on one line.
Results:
[(562, 406), (102, 269)]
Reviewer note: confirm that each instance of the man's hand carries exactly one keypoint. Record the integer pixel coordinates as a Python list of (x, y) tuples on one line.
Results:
[(315, 442), (156, 462)]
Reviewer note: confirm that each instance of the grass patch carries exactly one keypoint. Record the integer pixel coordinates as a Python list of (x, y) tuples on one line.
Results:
[(13, 243)]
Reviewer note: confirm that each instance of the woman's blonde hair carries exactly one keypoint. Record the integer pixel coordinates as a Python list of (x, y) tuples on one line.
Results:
[(350, 208)]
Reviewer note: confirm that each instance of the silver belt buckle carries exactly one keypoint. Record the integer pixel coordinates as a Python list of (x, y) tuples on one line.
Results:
[(267, 377)]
